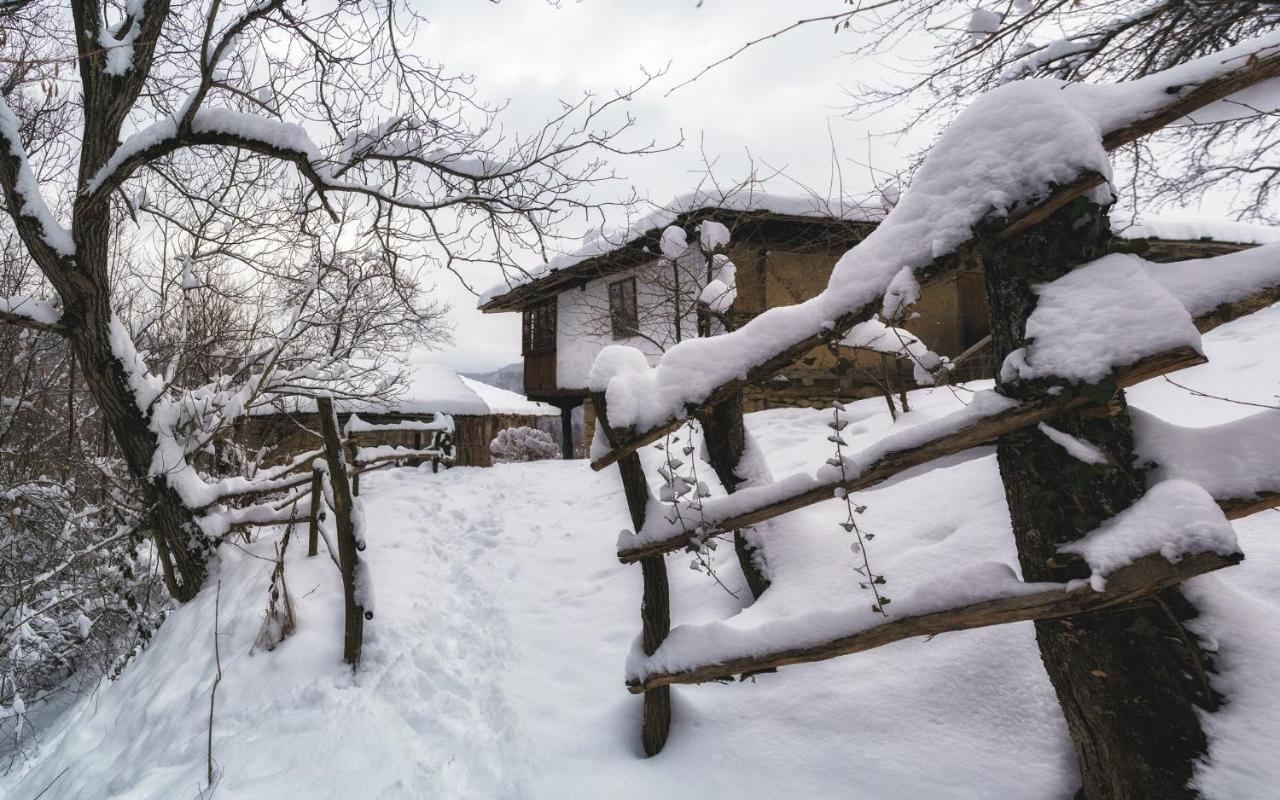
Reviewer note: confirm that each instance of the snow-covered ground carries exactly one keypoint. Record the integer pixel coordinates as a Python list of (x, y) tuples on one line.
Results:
[(494, 667)]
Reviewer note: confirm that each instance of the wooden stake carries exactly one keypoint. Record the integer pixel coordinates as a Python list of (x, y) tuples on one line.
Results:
[(655, 605)]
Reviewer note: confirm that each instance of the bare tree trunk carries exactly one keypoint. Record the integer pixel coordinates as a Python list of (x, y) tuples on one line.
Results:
[(348, 558), (725, 435), (182, 545), (1130, 681)]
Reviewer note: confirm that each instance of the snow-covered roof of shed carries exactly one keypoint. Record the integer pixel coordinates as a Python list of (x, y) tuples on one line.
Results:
[(428, 389), (502, 401), (600, 241)]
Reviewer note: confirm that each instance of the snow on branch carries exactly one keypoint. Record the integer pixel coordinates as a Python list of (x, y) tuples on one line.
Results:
[(30, 312), (1016, 154), (43, 232)]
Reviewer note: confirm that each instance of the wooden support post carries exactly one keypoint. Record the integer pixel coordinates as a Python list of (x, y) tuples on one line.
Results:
[(655, 605), (317, 503), (566, 430), (1130, 681), (725, 435), (348, 558)]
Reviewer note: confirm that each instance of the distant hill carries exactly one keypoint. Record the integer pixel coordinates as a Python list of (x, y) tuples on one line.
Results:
[(510, 377)]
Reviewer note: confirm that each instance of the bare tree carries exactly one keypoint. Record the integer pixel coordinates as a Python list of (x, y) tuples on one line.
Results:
[(213, 89), (968, 50)]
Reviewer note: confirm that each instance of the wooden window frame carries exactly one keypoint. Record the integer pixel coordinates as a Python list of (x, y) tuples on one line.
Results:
[(538, 328), (624, 316)]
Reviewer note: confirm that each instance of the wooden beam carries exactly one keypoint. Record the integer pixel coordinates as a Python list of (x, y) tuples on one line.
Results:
[(1250, 72), (1241, 507), (1145, 576), (896, 462), (1228, 312)]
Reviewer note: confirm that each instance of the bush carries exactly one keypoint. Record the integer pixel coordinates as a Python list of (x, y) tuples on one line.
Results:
[(523, 444)]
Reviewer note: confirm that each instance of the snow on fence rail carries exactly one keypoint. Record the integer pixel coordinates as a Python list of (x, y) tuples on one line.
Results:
[(1011, 163)]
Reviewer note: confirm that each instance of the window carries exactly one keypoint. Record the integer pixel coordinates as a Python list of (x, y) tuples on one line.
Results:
[(622, 308), (540, 327)]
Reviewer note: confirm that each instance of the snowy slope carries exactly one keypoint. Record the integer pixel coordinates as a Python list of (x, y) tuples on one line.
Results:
[(495, 665)]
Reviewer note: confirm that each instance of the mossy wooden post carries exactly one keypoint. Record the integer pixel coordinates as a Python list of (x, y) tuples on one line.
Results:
[(725, 435), (339, 483), (655, 604), (313, 520), (1130, 680)]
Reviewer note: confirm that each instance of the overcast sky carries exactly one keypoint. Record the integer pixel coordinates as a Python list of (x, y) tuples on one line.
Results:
[(782, 101)]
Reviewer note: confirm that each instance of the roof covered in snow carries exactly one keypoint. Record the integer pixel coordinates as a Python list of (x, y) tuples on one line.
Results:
[(430, 389), (640, 236)]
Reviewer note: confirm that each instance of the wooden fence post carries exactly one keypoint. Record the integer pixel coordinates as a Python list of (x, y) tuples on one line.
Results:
[(348, 558), (313, 522), (655, 604), (1129, 680), (724, 432)]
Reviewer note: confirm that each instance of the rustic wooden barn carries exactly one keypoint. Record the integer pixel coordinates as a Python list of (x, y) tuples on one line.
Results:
[(479, 412)]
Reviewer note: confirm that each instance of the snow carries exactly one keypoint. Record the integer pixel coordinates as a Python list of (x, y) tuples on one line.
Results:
[(501, 401), (1175, 518), (1234, 459), (428, 389), (498, 683), (1201, 285), (878, 337), (442, 422), (982, 23), (1078, 448), (34, 309), (1099, 317), (674, 242), (27, 189), (712, 235), (721, 290), (1195, 229)]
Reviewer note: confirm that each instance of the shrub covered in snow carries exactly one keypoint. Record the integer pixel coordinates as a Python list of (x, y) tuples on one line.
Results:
[(523, 444)]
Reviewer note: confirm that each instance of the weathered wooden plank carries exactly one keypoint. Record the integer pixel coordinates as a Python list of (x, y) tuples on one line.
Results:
[(898, 461), (1145, 576)]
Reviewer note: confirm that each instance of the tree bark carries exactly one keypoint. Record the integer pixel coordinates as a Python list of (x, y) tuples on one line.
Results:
[(348, 558), (183, 547), (1130, 681), (725, 435)]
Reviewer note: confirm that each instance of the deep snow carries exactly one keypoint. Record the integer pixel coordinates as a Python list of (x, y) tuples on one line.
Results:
[(495, 665)]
